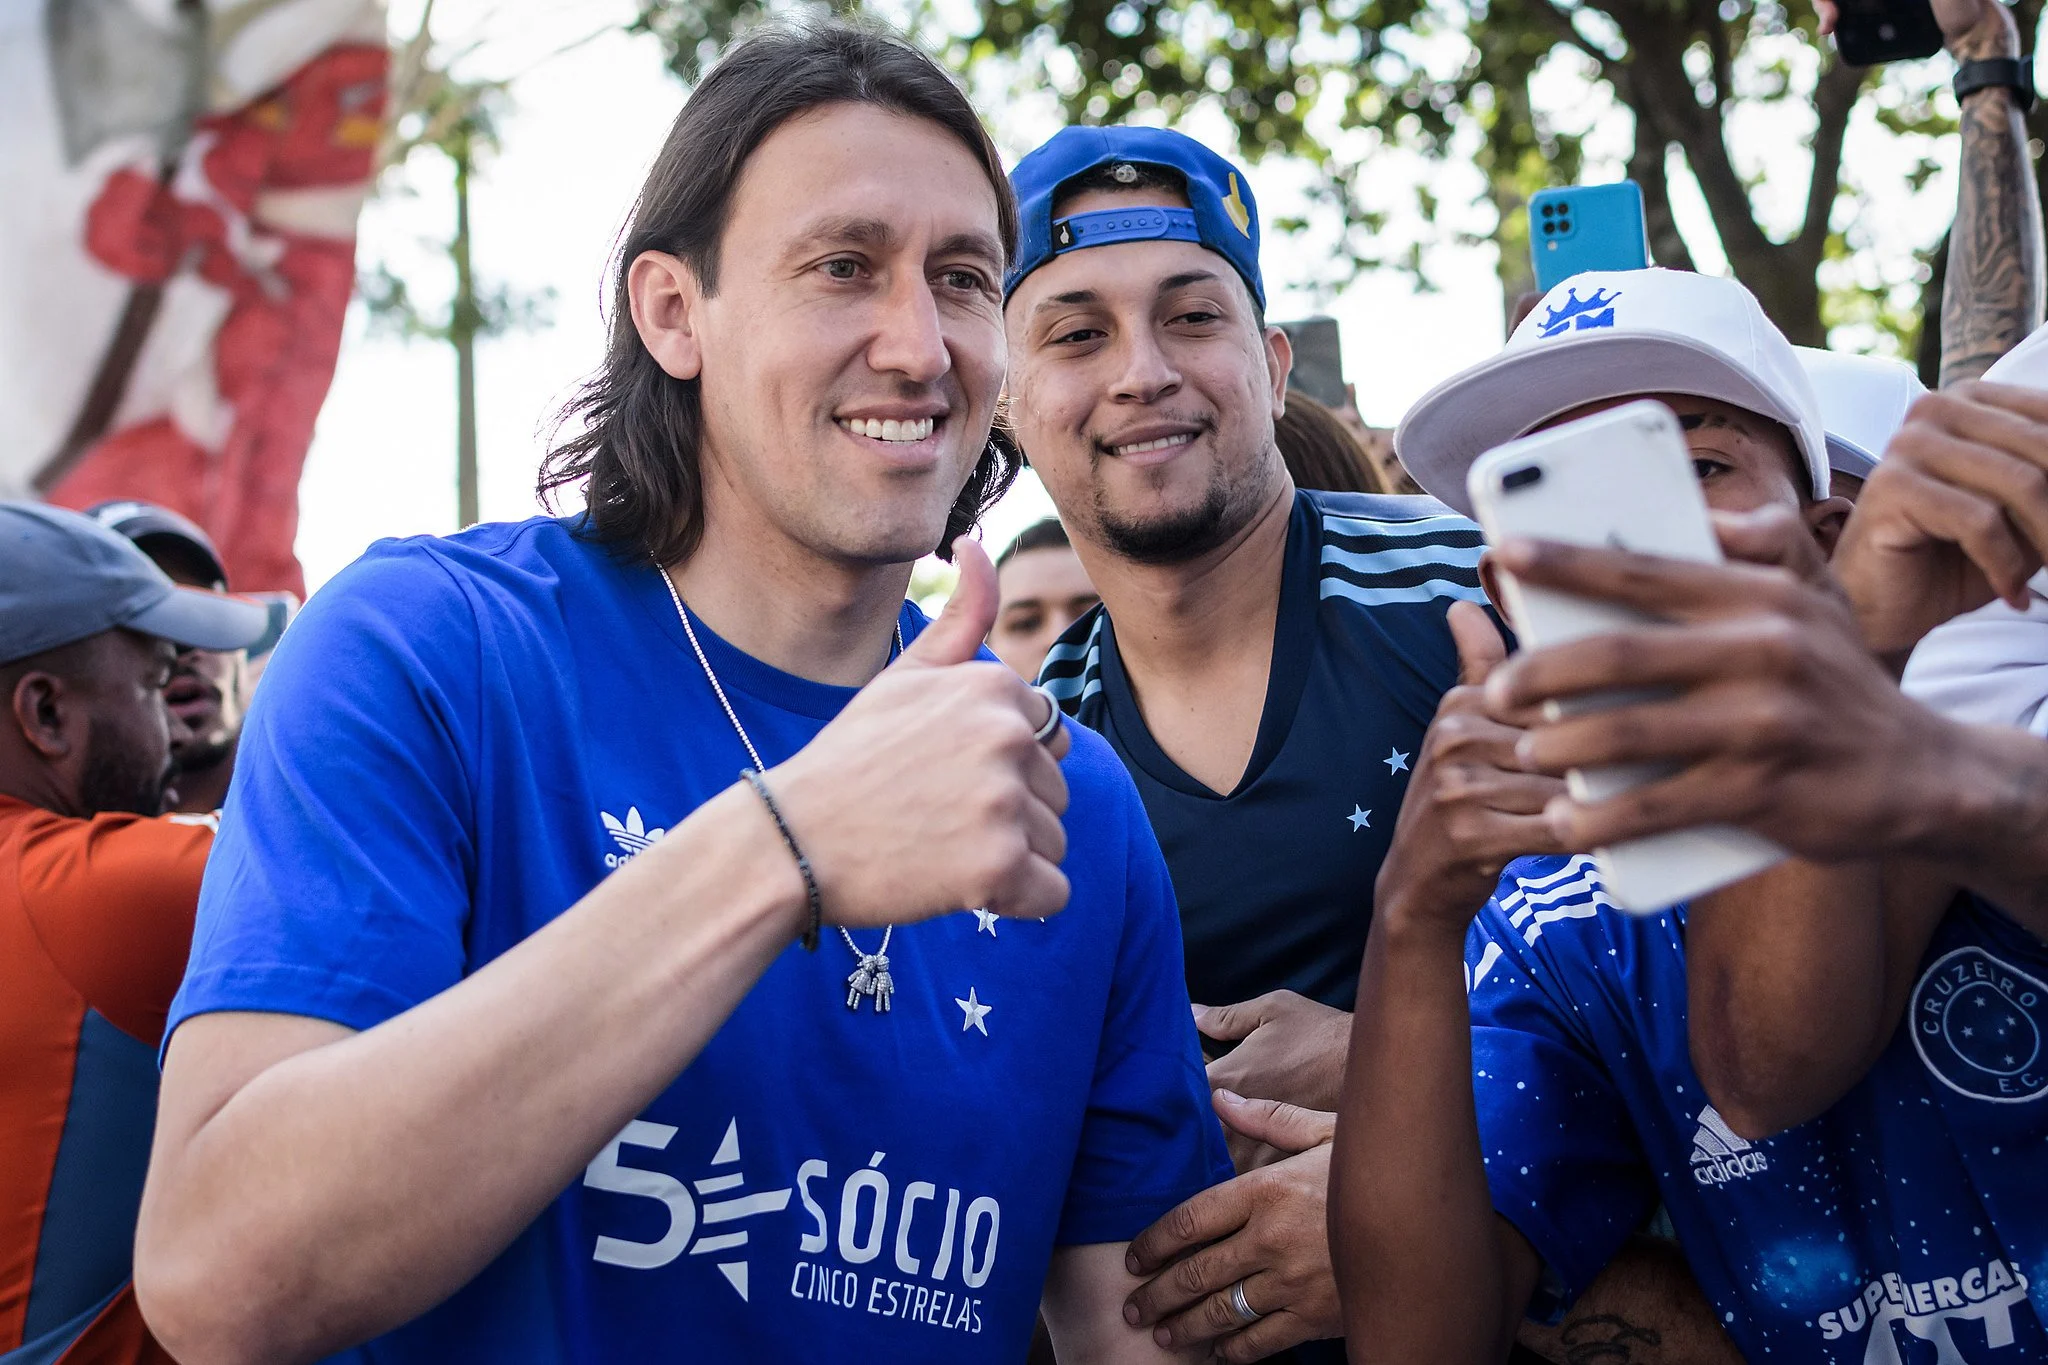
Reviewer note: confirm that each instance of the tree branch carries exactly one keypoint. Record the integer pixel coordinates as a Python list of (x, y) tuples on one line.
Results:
[(1561, 20), (1834, 96)]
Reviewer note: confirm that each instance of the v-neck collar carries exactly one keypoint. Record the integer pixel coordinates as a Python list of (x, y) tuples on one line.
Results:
[(1294, 639)]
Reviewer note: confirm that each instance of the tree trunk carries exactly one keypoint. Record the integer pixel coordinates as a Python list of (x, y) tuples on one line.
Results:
[(462, 329)]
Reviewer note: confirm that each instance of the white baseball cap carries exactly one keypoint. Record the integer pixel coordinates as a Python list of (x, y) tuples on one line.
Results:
[(1614, 334), (1863, 402), (2025, 365)]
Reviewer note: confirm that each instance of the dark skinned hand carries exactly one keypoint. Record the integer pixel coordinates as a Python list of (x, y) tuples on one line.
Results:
[(1783, 720), (1269, 1228), (1289, 1048), (1954, 516), (1471, 808)]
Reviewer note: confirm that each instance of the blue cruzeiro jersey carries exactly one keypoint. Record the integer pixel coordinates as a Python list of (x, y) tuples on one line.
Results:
[(1908, 1225), (458, 739), (1275, 878)]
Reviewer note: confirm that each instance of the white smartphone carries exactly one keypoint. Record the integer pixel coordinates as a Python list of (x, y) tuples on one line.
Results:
[(1623, 478)]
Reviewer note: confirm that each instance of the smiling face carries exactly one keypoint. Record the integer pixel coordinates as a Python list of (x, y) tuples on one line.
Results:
[(1143, 390), (852, 352)]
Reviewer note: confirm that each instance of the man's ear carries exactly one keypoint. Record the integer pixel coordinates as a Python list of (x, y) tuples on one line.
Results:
[(1279, 364), (1826, 519), (666, 303), (40, 706)]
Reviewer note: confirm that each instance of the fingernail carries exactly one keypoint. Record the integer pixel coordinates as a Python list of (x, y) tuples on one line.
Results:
[(1525, 752), (1131, 1264), (1163, 1337), (1229, 1096), (1131, 1314)]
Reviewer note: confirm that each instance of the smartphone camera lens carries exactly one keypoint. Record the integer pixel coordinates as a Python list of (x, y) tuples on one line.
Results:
[(1521, 478), (1549, 209)]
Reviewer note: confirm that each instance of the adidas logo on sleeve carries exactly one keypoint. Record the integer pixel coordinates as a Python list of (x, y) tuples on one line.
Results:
[(1720, 1154)]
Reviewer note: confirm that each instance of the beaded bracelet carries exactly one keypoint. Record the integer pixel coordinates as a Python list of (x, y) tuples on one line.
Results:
[(803, 864)]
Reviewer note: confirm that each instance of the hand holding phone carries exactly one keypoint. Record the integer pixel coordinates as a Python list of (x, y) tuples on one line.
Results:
[(1619, 478)]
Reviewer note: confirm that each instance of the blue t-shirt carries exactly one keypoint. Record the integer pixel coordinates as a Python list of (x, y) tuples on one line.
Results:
[(459, 738), (1275, 878), (1907, 1224)]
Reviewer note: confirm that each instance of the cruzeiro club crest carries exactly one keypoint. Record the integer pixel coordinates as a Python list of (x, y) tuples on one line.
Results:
[(1577, 314), (1977, 1022)]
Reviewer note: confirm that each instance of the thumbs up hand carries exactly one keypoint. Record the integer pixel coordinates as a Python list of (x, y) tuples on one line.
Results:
[(929, 793), (1470, 809)]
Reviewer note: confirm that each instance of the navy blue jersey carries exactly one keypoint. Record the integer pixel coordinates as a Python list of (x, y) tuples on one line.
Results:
[(1275, 878), (1907, 1225)]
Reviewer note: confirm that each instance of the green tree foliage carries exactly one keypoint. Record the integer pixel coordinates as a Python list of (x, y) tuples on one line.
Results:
[(1341, 84)]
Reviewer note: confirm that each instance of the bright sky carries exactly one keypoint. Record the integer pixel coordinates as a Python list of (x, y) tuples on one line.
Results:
[(582, 130)]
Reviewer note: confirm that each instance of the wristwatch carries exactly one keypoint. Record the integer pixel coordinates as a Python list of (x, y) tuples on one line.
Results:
[(2017, 75)]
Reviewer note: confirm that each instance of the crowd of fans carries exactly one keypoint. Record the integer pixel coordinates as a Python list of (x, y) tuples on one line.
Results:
[(642, 935)]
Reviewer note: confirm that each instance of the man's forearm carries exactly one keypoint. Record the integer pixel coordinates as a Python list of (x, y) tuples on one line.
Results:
[(1085, 1291), (1992, 295), (344, 1189), (1645, 1308), (1984, 819), (1410, 1210), (1774, 1041)]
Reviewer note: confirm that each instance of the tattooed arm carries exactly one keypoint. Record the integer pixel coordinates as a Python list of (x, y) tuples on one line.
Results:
[(1993, 295), (1645, 1309)]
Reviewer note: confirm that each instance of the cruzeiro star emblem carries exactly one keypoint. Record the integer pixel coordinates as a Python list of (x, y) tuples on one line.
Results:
[(718, 1216)]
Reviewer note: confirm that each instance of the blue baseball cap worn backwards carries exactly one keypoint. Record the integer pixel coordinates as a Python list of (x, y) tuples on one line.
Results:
[(1222, 215)]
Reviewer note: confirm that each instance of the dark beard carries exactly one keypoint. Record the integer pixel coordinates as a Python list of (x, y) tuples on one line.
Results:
[(116, 781), (1171, 540), (202, 758), (1226, 508)]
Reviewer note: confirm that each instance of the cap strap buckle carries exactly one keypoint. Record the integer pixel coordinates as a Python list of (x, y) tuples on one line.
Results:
[(1137, 224)]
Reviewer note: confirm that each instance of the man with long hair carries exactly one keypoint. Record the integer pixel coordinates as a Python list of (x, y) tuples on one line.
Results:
[(498, 1042)]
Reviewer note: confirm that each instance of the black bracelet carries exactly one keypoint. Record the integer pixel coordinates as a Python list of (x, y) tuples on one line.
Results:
[(803, 864), (2010, 73)]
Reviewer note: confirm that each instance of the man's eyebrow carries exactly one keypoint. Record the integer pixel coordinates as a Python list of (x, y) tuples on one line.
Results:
[(847, 231), (978, 244), (1182, 281), (1072, 296)]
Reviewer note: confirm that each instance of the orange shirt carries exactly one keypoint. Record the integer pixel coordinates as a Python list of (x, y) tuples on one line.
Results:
[(95, 923)]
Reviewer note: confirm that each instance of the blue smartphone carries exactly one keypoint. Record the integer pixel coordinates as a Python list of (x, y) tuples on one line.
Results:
[(1586, 227)]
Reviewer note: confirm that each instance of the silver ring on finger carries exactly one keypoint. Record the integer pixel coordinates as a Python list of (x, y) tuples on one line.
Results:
[(1044, 733), (1246, 1314)]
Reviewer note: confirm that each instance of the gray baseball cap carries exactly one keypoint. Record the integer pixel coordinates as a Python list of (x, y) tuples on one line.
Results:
[(64, 577)]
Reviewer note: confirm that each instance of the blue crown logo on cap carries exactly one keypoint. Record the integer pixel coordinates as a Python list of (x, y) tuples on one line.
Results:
[(1221, 213), (1580, 314)]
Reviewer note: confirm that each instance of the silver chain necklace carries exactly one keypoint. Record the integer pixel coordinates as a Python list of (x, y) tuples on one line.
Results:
[(870, 976)]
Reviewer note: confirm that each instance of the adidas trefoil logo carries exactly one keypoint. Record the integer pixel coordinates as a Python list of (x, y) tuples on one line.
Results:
[(630, 834), (1720, 1155)]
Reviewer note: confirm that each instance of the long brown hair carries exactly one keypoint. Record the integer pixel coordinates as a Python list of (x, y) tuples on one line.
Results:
[(638, 446)]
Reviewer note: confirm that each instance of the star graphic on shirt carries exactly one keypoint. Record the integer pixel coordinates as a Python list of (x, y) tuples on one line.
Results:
[(1396, 761), (975, 1011), (1969, 1033), (1359, 818), (986, 919)]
